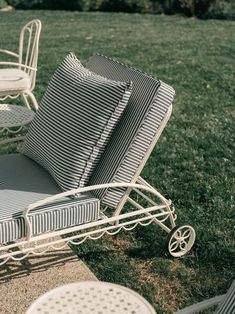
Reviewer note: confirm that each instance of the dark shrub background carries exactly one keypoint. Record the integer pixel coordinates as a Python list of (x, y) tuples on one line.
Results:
[(220, 9)]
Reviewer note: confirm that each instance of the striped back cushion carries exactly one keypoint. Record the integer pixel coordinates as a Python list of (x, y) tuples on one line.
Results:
[(74, 122), (147, 106), (227, 306)]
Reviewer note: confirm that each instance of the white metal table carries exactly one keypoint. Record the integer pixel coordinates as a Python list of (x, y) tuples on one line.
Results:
[(13, 119), (91, 297)]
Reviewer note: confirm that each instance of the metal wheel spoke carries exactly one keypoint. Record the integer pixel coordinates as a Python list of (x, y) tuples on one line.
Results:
[(183, 245), (186, 234), (178, 234), (174, 245)]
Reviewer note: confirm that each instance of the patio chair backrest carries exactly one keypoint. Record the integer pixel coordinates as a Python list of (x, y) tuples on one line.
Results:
[(28, 48), (135, 132)]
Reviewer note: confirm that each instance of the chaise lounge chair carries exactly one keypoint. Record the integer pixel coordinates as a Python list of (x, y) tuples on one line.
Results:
[(57, 187)]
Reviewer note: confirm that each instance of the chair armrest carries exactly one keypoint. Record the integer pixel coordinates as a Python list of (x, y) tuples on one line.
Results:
[(73, 192), (198, 307), (10, 53), (18, 65)]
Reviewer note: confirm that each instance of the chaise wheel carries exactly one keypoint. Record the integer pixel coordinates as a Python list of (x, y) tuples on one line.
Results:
[(180, 240)]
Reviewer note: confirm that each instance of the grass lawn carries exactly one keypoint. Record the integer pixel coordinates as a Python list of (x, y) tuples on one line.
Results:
[(193, 164)]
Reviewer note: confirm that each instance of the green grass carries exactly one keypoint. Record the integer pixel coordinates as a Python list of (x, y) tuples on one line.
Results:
[(193, 164)]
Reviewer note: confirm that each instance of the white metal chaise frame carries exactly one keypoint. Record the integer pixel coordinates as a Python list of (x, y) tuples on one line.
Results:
[(180, 238), (201, 306), (27, 61), (220, 304)]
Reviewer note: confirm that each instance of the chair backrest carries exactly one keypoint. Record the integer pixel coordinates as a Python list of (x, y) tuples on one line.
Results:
[(28, 48), (135, 134)]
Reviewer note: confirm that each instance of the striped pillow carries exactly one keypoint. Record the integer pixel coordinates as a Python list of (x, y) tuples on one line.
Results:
[(76, 117), (149, 102), (124, 154)]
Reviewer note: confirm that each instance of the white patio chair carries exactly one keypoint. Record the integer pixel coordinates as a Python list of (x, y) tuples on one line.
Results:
[(55, 157), (222, 304), (17, 79)]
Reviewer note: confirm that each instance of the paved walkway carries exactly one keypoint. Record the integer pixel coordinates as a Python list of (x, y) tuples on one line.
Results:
[(23, 282)]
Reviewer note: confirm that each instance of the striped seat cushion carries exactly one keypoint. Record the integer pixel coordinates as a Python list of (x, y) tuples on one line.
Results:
[(74, 122), (227, 306), (147, 106), (23, 182)]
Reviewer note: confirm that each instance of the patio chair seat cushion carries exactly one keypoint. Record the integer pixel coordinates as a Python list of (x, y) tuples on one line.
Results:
[(13, 80), (23, 182), (148, 104), (74, 122)]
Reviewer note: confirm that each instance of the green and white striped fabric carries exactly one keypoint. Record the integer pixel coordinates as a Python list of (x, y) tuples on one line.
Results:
[(227, 306), (147, 106), (23, 182), (74, 122)]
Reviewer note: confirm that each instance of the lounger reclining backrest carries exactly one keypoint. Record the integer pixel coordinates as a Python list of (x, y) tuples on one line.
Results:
[(132, 138)]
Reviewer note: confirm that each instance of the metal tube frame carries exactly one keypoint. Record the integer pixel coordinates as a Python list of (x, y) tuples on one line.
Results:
[(202, 306), (158, 214), (27, 58), (27, 62), (162, 213)]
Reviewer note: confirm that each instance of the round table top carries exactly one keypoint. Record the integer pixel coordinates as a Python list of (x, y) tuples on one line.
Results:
[(91, 297), (14, 116)]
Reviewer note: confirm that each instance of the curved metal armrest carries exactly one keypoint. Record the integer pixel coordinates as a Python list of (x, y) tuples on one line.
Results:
[(10, 53), (82, 190), (18, 65), (196, 308)]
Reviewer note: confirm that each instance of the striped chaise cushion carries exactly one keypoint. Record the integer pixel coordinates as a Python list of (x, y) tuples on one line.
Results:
[(227, 306), (74, 122), (22, 182), (147, 106)]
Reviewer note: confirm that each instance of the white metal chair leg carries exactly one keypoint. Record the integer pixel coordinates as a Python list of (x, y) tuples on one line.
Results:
[(34, 101), (25, 100), (32, 98)]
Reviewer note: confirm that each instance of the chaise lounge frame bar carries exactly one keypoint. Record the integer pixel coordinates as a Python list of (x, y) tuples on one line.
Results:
[(162, 214)]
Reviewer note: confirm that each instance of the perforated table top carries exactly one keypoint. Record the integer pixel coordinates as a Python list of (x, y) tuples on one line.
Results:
[(14, 116), (91, 297)]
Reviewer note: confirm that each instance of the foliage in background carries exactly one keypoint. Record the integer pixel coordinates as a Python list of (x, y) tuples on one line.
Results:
[(70, 5), (197, 7), (124, 5), (3, 4), (222, 9), (165, 6), (23, 4)]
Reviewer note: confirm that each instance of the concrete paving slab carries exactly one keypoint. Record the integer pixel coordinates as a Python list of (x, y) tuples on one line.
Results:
[(23, 282)]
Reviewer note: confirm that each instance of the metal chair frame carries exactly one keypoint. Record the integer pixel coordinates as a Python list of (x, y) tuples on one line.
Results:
[(27, 61), (161, 212)]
